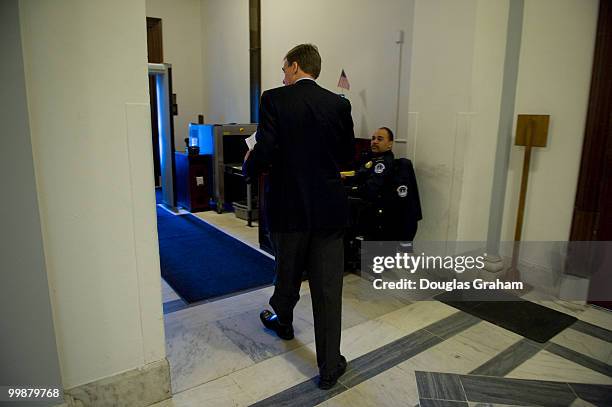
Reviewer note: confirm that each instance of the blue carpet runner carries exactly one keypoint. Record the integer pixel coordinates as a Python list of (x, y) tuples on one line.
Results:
[(200, 262)]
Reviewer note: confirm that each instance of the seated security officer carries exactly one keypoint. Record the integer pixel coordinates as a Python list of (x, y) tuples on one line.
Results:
[(389, 191)]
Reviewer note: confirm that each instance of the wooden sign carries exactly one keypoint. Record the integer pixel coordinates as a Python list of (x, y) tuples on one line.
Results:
[(532, 130)]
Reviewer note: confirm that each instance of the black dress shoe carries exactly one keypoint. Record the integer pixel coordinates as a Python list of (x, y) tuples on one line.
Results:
[(270, 321), (329, 380)]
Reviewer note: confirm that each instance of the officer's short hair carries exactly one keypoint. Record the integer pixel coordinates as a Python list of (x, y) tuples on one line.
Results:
[(389, 132), (307, 57)]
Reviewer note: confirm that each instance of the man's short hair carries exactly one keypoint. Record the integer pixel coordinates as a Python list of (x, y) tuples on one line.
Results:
[(389, 132), (307, 57)]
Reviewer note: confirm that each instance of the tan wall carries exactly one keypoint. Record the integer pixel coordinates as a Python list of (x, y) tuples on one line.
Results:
[(86, 79)]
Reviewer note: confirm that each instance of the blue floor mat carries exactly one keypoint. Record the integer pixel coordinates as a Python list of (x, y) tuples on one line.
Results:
[(200, 262)]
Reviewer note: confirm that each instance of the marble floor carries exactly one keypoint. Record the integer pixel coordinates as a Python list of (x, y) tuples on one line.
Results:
[(400, 353)]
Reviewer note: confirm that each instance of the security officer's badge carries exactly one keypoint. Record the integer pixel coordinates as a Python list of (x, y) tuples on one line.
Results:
[(379, 168), (402, 191), (368, 165)]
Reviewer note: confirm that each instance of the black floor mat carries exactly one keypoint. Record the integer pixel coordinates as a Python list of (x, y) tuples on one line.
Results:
[(510, 312)]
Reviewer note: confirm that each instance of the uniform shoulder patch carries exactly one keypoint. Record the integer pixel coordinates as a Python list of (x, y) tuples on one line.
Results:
[(402, 191), (379, 168)]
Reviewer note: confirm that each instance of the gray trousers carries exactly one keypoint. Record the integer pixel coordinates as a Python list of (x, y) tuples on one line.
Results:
[(321, 255)]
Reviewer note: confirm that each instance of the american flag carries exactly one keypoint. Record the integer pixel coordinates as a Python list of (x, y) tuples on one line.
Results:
[(343, 81)]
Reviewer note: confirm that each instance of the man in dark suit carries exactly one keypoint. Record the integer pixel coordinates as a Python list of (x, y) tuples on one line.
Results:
[(305, 136)]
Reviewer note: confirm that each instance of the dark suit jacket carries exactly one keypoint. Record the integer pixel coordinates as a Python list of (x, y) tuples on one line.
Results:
[(305, 135), (404, 200)]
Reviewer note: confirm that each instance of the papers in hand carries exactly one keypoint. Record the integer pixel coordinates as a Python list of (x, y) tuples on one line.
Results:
[(251, 141)]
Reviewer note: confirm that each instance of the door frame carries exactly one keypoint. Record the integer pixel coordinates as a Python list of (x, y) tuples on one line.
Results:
[(591, 221)]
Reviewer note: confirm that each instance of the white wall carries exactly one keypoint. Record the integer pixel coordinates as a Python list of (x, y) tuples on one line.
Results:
[(480, 143), (29, 349), (225, 51), (452, 70), (458, 59), (347, 36), (182, 47), (86, 78), (440, 103), (436, 74), (358, 36), (554, 77)]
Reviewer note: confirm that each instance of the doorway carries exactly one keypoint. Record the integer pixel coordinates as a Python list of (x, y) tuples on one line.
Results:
[(155, 55), (592, 219)]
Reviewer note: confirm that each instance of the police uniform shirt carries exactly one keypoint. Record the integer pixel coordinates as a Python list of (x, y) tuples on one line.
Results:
[(374, 175)]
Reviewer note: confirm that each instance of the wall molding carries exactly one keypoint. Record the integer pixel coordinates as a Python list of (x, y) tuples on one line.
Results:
[(140, 387)]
